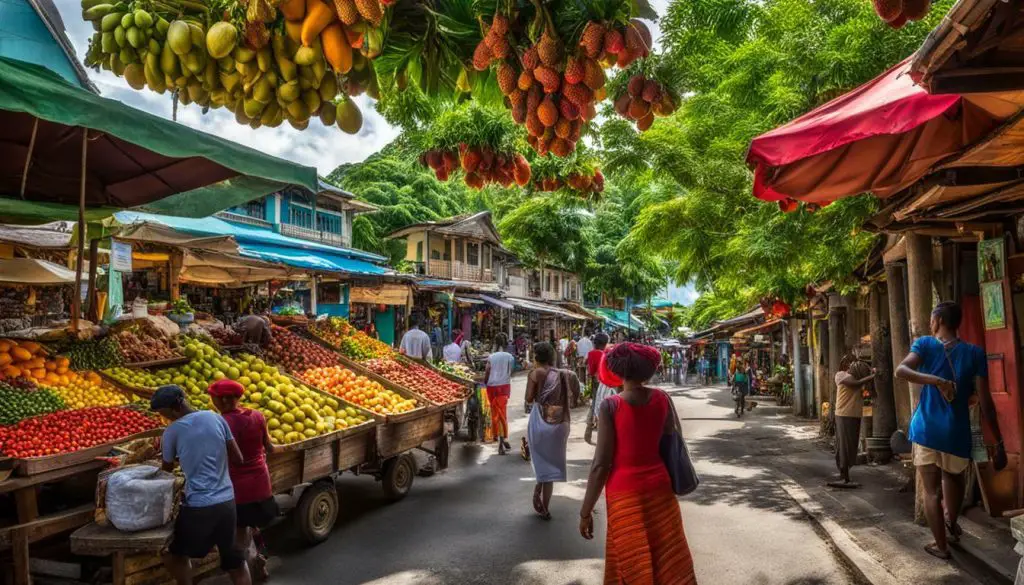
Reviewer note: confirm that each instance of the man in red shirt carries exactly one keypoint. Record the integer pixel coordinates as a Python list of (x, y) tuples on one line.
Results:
[(593, 362), (254, 498)]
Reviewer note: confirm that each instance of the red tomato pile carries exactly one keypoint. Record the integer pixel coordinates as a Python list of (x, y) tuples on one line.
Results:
[(424, 381), (72, 430), (297, 354)]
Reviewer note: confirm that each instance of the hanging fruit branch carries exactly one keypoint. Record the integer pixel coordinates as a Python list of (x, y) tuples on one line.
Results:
[(481, 142), (643, 91), (577, 174), (269, 61)]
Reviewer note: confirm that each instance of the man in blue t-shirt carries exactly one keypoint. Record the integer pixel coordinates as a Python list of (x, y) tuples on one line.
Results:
[(201, 443), (950, 371)]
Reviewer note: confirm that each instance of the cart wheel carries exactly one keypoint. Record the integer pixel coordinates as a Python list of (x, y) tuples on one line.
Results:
[(316, 512), (398, 475)]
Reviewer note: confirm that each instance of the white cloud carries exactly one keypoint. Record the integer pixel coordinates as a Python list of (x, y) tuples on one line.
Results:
[(317, 146)]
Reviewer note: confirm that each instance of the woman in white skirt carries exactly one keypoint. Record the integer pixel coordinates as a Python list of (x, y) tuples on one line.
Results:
[(547, 391)]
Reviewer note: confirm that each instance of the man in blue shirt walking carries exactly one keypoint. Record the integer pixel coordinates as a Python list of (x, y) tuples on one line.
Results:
[(950, 371), (201, 443)]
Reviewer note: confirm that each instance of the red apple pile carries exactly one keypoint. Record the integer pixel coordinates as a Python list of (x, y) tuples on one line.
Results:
[(421, 380), (297, 354)]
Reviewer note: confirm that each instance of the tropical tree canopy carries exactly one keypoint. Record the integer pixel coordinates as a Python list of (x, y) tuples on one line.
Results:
[(678, 201)]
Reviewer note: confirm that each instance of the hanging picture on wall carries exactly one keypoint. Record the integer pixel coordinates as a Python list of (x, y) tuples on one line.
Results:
[(993, 306), (991, 260)]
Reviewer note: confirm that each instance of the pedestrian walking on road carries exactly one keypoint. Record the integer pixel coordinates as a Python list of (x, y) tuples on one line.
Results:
[(605, 384), (416, 343), (954, 374), (547, 432), (645, 538), (850, 384), (498, 378)]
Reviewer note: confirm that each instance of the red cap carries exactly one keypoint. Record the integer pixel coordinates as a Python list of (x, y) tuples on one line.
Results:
[(225, 387)]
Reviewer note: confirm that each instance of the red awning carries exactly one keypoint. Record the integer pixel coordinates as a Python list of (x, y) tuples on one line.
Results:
[(880, 137)]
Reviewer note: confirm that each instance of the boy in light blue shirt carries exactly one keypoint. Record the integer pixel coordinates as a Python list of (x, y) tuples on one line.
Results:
[(201, 443)]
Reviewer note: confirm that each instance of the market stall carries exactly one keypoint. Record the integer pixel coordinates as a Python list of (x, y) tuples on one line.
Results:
[(33, 293)]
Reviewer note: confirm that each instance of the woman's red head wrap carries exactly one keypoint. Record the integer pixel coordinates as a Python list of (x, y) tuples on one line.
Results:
[(604, 375), (633, 361), (225, 388)]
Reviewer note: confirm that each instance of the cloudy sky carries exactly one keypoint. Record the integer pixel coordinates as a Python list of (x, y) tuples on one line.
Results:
[(317, 146)]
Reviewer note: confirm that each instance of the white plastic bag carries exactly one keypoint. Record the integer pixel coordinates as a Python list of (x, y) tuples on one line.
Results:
[(139, 498)]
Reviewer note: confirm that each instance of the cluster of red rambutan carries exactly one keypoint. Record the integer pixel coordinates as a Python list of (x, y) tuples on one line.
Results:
[(643, 100), (580, 182), (481, 165)]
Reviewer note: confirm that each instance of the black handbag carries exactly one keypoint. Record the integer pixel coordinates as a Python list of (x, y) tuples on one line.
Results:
[(676, 456)]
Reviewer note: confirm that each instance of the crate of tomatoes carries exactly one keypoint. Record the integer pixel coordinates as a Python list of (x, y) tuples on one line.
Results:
[(420, 378), (69, 437)]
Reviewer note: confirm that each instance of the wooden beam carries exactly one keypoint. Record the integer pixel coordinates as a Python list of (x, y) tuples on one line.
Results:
[(978, 80), (76, 294)]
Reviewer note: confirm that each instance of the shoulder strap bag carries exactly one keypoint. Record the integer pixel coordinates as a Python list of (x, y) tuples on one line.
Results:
[(676, 456)]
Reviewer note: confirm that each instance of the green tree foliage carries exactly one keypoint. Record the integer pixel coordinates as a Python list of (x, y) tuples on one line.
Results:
[(548, 230), (746, 67), (405, 192)]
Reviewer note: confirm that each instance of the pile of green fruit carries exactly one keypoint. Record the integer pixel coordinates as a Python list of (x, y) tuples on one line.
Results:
[(293, 411), (216, 55), (17, 404), (95, 354)]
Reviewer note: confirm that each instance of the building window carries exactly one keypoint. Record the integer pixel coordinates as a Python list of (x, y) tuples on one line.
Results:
[(419, 251), (487, 257), (473, 254), (547, 283), (458, 251), (300, 216), (327, 222)]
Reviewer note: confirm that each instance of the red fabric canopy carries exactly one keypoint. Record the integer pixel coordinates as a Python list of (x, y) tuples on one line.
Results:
[(880, 137)]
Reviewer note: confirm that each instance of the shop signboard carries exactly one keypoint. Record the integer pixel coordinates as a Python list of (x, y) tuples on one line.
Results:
[(120, 256)]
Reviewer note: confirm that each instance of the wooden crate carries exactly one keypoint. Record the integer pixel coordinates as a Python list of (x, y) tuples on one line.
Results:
[(395, 438), (135, 556), (36, 465)]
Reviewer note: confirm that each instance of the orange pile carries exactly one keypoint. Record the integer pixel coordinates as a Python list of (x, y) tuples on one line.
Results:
[(357, 389), (26, 359)]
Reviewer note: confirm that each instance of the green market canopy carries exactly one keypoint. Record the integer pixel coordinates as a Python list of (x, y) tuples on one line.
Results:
[(133, 158)]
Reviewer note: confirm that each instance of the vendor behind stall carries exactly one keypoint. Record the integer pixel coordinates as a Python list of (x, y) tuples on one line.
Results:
[(202, 443), (255, 507), (254, 329), (415, 342)]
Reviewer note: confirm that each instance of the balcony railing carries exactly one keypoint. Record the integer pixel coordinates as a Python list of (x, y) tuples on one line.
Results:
[(550, 295), (239, 218), (329, 238), (458, 271)]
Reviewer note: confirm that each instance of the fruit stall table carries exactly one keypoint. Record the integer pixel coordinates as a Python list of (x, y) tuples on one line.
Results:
[(25, 477), (134, 556)]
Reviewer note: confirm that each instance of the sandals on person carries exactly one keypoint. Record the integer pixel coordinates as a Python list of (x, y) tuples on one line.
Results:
[(538, 504), (954, 531), (933, 549)]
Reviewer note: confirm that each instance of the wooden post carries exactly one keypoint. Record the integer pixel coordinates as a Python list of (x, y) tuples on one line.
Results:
[(821, 380), (799, 401), (177, 258), (312, 294), (919, 303), (93, 309), (919, 298), (899, 335), (883, 410), (76, 297), (836, 346)]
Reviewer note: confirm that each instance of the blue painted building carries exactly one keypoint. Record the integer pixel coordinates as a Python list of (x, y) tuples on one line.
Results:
[(32, 31)]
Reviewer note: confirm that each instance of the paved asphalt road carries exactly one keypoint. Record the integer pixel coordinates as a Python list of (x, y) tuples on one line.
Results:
[(474, 523)]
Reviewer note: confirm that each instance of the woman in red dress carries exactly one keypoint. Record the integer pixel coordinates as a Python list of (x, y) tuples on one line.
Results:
[(645, 544), (254, 497)]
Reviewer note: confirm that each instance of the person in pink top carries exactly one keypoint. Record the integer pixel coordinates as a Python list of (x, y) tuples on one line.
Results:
[(255, 507), (645, 539)]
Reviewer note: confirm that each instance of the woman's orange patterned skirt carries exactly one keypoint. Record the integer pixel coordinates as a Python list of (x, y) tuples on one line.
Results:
[(646, 544)]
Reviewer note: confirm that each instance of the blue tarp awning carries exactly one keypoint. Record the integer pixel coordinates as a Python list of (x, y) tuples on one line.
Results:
[(310, 259), (618, 318), (214, 226)]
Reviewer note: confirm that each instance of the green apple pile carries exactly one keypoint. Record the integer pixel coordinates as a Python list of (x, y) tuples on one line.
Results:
[(293, 411)]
